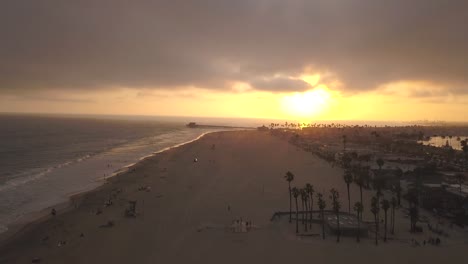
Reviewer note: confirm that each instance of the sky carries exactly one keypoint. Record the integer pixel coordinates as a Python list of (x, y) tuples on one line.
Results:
[(305, 60)]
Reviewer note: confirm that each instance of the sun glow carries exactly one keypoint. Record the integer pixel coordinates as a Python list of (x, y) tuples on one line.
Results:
[(307, 104)]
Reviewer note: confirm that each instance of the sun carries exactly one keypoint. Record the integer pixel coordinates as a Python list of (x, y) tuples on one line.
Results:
[(307, 104)]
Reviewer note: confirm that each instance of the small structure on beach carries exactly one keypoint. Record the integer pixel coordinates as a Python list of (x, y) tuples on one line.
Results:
[(348, 225)]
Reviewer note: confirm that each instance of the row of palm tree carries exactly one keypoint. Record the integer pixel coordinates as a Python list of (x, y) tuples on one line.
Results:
[(307, 194)]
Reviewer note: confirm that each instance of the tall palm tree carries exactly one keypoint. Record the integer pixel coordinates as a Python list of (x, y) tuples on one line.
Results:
[(310, 192), (358, 208), (385, 207), (304, 208), (375, 211), (296, 193), (322, 205), (414, 212), (348, 178), (360, 180), (397, 189), (334, 196), (289, 178)]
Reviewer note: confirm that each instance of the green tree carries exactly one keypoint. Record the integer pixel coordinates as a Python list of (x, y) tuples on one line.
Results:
[(358, 207), (289, 178), (348, 178), (322, 205), (375, 209), (334, 196)]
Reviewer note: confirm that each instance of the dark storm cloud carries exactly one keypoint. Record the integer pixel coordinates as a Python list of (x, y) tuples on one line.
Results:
[(211, 44)]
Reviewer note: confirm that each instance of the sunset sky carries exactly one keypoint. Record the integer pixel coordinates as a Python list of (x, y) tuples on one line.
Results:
[(298, 59)]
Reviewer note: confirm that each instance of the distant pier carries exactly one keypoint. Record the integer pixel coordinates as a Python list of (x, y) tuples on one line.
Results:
[(195, 125)]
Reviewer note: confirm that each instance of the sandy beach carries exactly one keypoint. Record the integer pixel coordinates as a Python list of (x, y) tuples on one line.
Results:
[(184, 210)]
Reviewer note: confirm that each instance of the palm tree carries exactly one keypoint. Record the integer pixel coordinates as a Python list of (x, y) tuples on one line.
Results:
[(358, 208), (322, 205), (393, 214), (296, 193), (304, 208), (289, 178), (360, 180), (310, 192), (385, 207), (414, 212), (375, 211), (334, 195), (348, 178), (397, 189)]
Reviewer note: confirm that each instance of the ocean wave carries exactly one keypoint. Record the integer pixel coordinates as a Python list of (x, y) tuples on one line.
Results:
[(34, 175)]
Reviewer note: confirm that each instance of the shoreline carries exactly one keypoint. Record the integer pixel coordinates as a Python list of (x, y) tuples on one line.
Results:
[(30, 220)]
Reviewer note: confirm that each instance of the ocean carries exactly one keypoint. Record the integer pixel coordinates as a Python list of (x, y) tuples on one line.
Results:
[(44, 159)]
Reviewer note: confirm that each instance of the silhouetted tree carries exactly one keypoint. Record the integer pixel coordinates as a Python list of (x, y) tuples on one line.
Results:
[(393, 202), (414, 212), (348, 178), (296, 193), (322, 205), (310, 191), (334, 196), (358, 208), (289, 178), (385, 207), (375, 211), (397, 190), (304, 197)]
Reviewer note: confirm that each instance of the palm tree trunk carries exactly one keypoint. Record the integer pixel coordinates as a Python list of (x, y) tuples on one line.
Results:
[(376, 230), (338, 227), (323, 224), (297, 218), (385, 234), (311, 211), (290, 202), (349, 199), (360, 189), (358, 239), (302, 213), (393, 220)]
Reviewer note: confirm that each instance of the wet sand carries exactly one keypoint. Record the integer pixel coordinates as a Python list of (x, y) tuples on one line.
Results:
[(183, 217)]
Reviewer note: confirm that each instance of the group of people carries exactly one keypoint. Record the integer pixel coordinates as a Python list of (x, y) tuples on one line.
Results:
[(241, 226)]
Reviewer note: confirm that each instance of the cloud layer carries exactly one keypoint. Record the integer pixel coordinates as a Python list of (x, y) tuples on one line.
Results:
[(212, 44)]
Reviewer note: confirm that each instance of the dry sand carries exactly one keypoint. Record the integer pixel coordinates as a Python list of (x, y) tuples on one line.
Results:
[(183, 218)]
